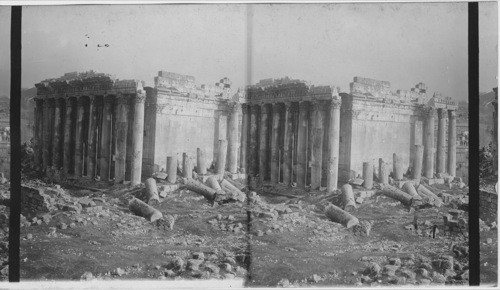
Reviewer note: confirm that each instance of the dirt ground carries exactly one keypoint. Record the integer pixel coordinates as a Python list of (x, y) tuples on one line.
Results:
[(279, 237), (4, 231)]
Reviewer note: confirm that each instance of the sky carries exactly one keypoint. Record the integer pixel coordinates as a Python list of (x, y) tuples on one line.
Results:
[(325, 44)]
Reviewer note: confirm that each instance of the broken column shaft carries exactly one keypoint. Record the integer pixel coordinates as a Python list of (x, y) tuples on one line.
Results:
[(340, 216), (397, 164), (452, 143), (201, 165), (429, 144), (172, 169), (441, 141), (275, 175), (151, 191), (141, 208), (368, 175), (417, 162), (348, 197), (137, 138), (383, 174), (333, 146), (233, 139), (221, 157), (187, 169)]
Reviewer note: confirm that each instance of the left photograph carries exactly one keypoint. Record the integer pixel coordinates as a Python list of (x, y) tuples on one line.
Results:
[(4, 141), (131, 132)]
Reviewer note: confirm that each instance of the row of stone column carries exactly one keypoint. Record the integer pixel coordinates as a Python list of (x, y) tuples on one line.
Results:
[(280, 139), (83, 136), (428, 151)]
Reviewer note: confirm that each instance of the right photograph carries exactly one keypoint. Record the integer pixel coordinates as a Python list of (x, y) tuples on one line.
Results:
[(357, 126)]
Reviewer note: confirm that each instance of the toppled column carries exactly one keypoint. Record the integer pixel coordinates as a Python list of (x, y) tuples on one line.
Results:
[(138, 138), (441, 140), (368, 175), (221, 157), (244, 138), (151, 191), (410, 189), (121, 138), (187, 169), (200, 188), (213, 183), (333, 146), (263, 138), (348, 197), (232, 191), (397, 194), (275, 174), (452, 143), (383, 174), (80, 110), (429, 144), (287, 138), (172, 169), (143, 209), (397, 164), (67, 137), (201, 165), (417, 162), (233, 139), (340, 216), (107, 117), (422, 190), (317, 146)]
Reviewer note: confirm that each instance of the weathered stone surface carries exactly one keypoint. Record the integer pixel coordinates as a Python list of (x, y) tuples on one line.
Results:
[(340, 216), (143, 209)]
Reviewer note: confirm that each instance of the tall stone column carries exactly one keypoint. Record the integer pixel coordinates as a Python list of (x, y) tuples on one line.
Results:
[(317, 146), (441, 141), (68, 125), (253, 154), (38, 133), (107, 118), (244, 138), (221, 157), (138, 138), (233, 138), (48, 116), (333, 146), (452, 143), (121, 137), (275, 174), (417, 162), (263, 140), (429, 144), (302, 143), (92, 138), (80, 110), (287, 135)]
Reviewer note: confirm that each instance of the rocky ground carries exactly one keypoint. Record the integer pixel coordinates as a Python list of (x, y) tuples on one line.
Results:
[(279, 237), (299, 247), (93, 235), (488, 239), (4, 229)]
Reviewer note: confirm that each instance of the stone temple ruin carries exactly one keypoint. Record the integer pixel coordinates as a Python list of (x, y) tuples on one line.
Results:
[(279, 131)]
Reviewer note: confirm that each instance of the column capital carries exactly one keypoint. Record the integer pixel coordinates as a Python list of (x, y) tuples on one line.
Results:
[(429, 111), (452, 113), (335, 103), (236, 107), (139, 98), (121, 99), (442, 114), (288, 105), (254, 108), (317, 106)]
